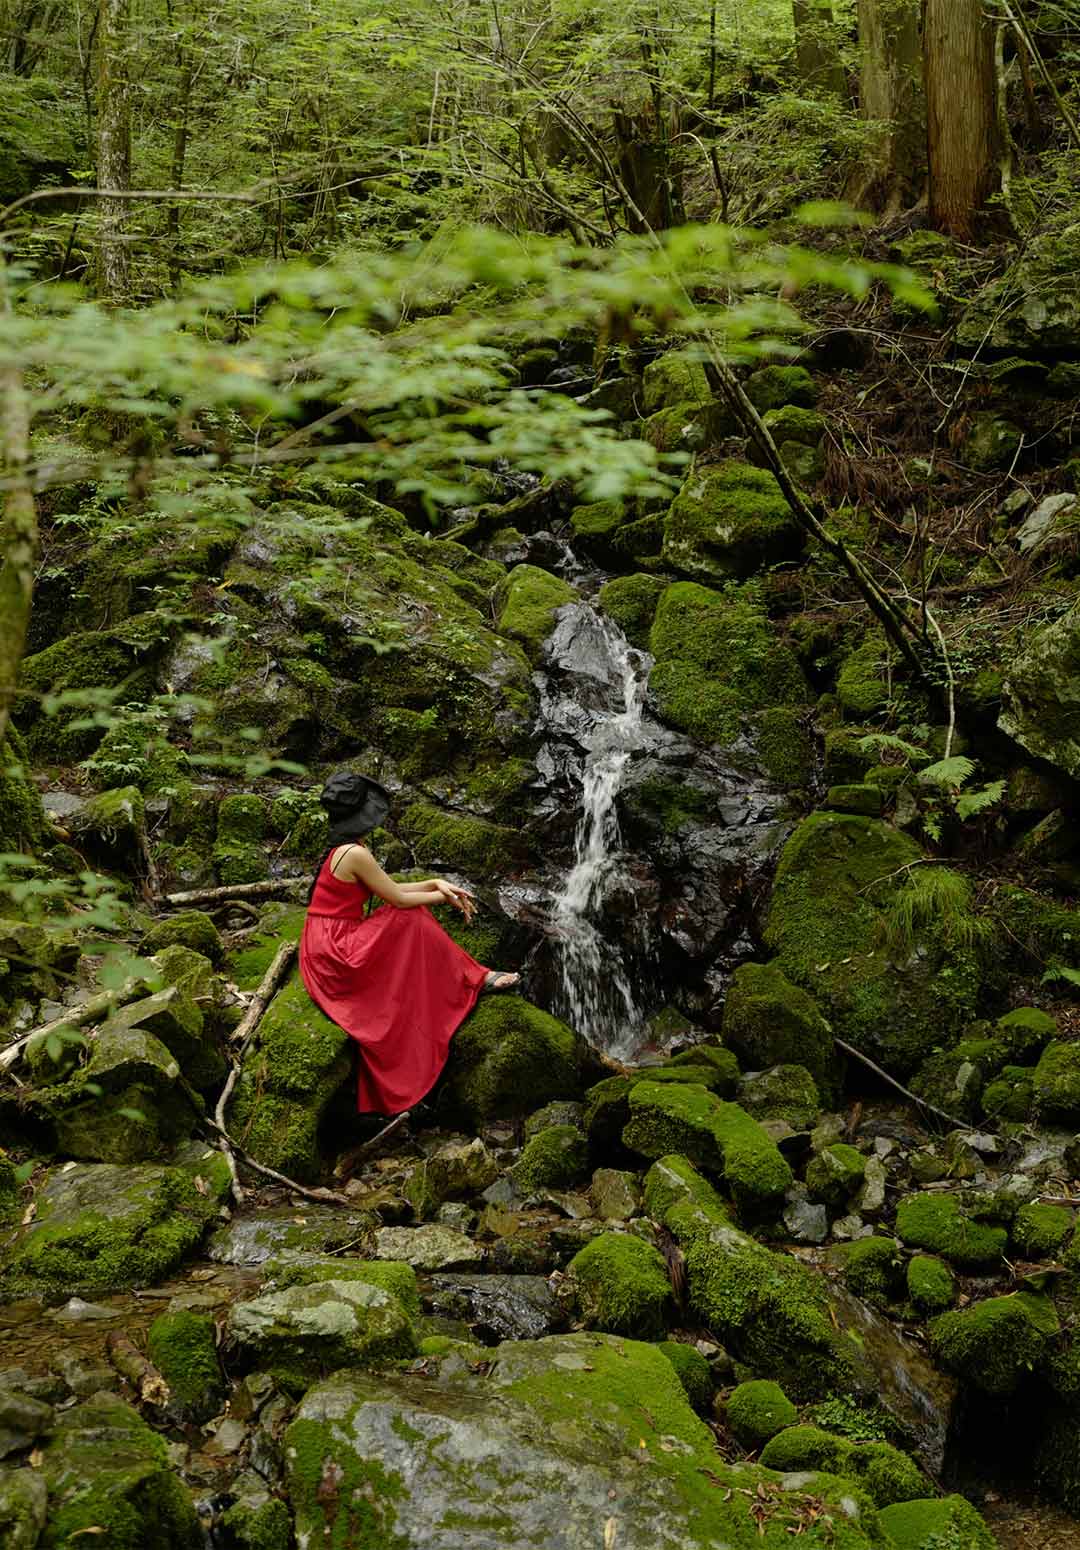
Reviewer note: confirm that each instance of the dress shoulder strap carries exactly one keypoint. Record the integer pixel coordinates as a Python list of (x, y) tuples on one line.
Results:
[(342, 853)]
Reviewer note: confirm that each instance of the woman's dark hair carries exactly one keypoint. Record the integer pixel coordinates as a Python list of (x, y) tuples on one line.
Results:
[(355, 804)]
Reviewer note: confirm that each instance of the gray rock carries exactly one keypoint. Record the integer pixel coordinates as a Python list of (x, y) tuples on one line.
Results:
[(454, 1172), (432, 1247), (283, 1233), (499, 1307), (871, 1198), (22, 1420), (324, 1325), (85, 1376), (24, 1503), (1040, 702), (807, 1221), (1053, 522), (616, 1195)]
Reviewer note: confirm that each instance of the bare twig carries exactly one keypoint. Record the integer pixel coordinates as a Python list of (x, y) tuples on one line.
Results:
[(244, 1034), (90, 1011), (849, 1049)]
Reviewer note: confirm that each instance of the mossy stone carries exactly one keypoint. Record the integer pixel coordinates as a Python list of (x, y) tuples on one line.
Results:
[(872, 1269), (307, 1331), (769, 1021), (861, 686), (470, 844), (795, 425), (864, 799), (1039, 1231), (631, 602), (508, 1058), (718, 659), (622, 1285), (991, 442), (237, 862), (241, 818), (783, 1092), (995, 1343), (677, 377), (1056, 1083), (187, 928), (940, 1523), (931, 1284), (692, 1370), (729, 520), (529, 600), (392, 1276), (938, 1223), (772, 387), (183, 1347), (954, 1079), (798, 1448), (554, 1159), (784, 746), (89, 659), (757, 1410), (1024, 1033), (1011, 1095), (595, 526), (262, 1525), (22, 822)]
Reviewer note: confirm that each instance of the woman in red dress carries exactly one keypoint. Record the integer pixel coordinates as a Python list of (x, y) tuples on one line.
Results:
[(393, 979)]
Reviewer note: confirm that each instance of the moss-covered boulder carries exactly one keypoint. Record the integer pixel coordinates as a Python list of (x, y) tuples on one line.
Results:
[(22, 823), (729, 519), (529, 600), (596, 526), (840, 883), (100, 1227), (89, 659), (631, 601), (768, 1310), (507, 1059), (991, 442), (692, 1370), (994, 1344), (24, 1507), (787, 1093), (836, 1174), (183, 1347), (187, 928), (771, 387), (111, 828), (769, 1021), (717, 659), (674, 378), (720, 1137), (110, 1481), (1011, 1095), (462, 841), (621, 1285), (872, 1269), (931, 1285), (886, 1474), (556, 1158), (757, 1410), (1040, 700), (1056, 1083), (290, 1074), (312, 1329), (954, 1080), (1040, 1231), (939, 1224), (456, 1171), (928, 1524), (574, 1430), (1023, 1034)]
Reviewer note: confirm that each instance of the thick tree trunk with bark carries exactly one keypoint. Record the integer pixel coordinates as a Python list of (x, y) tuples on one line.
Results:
[(891, 97), (817, 51), (113, 150), (962, 137)]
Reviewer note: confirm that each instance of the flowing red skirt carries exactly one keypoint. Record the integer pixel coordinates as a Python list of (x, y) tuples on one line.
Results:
[(400, 987)]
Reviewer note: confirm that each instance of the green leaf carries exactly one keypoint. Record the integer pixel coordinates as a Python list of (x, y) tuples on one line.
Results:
[(54, 1047), (1060, 972), (948, 774), (973, 802), (135, 1115)]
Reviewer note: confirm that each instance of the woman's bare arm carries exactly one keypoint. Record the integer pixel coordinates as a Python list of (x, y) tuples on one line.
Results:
[(358, 865)]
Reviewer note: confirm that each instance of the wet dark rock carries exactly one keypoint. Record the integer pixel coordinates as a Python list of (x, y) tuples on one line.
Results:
[(278, 1231), (22, 1420), (498, 1307)]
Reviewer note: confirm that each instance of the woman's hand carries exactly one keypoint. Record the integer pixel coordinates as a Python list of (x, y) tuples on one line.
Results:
[(459, 898)]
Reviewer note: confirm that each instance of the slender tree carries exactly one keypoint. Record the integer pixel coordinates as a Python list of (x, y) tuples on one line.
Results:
[(817, 51), (113, 150), (962, 131), (891, 98)]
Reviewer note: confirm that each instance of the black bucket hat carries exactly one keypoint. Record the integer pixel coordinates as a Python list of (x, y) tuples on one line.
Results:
[(354, 803)]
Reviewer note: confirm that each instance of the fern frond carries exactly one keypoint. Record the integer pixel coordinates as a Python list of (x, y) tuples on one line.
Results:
[(973, 802), (949, 774), (879, 742)]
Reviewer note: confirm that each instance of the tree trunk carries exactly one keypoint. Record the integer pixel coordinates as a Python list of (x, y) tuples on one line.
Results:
[(891, 97), (179, 159), (114, 150), (817, 53), (18, 537), (961, 118)]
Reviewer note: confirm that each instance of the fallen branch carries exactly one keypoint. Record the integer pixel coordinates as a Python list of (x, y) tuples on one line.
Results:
[(323, 1196), (244, 1033), (131, 1364), (849, 1049), (236, 891), (90, 1012), (1058, 1200)]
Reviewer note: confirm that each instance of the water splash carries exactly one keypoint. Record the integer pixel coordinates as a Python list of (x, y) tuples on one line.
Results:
[(593, 988)]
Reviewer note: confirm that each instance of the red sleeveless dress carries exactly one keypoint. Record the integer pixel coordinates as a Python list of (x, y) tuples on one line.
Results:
[(394, 981)]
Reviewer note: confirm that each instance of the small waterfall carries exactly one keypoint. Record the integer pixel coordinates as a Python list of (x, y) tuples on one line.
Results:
[(603, 711)]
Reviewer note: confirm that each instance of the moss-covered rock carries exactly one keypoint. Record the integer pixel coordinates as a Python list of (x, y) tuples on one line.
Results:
[(265, 1524), (1041, 695), (109, 1479), (994, 1344), (954, 1079), (939, 1224), (101, 1227), (631, 601), (991, 441), (768, 1310), (1011, 1095), (872, 1269), (9, 1189), (596, 526), (1056, 1083), (187, 928), (621, 1285), (729, 519), (183, 1347), (1040, 1231), (771, 387), (769, 1021), (787, 1093), (865, 799), (90, 659), (22, 823), (757, 1410), (861, 686), (692, 1370), (784, 746), (718, 659), (529, 600), (931, 1285), (677, 377), (839, 876), (312, 1329), (469, 844), (1023, 1034), (886, 1474), (554, 1159), (291, 1072), (392, 1276), (456, 1171), (507, 1059), (111, 828), (241, 818), (938, 1523)]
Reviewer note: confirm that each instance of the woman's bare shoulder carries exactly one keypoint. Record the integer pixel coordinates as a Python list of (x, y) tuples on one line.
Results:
[(347, 860)]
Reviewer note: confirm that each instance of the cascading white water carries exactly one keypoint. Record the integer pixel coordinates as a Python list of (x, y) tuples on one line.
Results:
[(594, 989)]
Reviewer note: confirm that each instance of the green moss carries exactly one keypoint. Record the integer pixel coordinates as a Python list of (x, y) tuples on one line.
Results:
[(555, 1159), (938, 1223), (784, 747), (22, 824), (509, 1058), (771, 387), (783, 1092), (673, 379), (768, 1310), (369, 1492), (757, 1410), (872, 1269), (1056, 1083), (1040, 1231), (886, 1474), (281, 923), (717, 659), (631, 601), (861, 683), (1011, 1096), (725, 1077), (845, 761), (183, 1348), (88, 660), (267, 1526), (241, 818), (622, 1285), (529, 600), (864, 799), (729, 520), (388, 1274), (638, 543), (1024, 1033), (806, 1447), (769, 1021), (237, 862), (792, 423), (1036, 931), (954, 1079), (995, 1343), (931, 1284), (473, 845), (692, 1370), (9, 1189), (944, 1523), (187, 928), (133, 752)]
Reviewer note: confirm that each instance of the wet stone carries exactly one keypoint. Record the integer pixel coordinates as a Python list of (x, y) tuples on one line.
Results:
[(277, 1233), (499, 1307), (432, 1247), (616, 1195), (807, 1221), (22, 1420), (321, 1326)]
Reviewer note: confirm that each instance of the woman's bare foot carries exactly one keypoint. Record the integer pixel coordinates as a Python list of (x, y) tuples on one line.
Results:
[(501, 979)]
